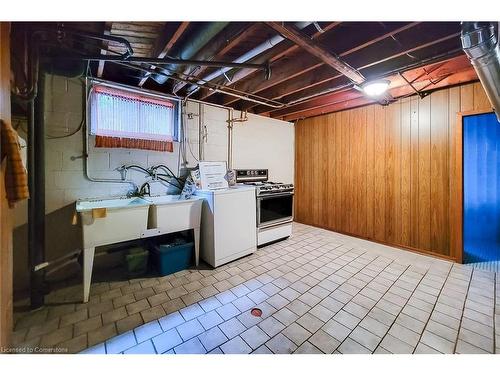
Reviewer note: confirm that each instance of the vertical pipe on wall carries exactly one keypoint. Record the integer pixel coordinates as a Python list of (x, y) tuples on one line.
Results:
[(36, 205), (230, 138), (201, 131)]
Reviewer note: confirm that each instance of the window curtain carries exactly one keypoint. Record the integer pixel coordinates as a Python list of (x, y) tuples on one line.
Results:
[(122, 119)]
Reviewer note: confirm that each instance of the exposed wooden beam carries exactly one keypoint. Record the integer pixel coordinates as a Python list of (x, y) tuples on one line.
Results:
[(163, 47), (107, 31), (406, 52), (353, 98), (455, 79), (284, 71), (274, 54), (422, 74), (315, 88), (292, 33)]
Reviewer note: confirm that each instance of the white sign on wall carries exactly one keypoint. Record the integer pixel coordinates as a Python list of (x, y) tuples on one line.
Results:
[(212, 174)]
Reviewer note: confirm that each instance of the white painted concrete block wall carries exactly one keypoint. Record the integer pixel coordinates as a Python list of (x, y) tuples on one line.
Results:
[(262, 142), (259, 143)]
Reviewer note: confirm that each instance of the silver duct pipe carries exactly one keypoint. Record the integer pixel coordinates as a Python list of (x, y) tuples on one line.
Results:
[(264, 46), (208, 31), (480, 44)]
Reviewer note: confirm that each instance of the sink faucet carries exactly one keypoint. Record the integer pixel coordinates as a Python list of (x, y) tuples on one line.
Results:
[(145, 189)]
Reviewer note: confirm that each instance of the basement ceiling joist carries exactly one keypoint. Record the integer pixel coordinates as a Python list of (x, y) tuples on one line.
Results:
[(303, 65)]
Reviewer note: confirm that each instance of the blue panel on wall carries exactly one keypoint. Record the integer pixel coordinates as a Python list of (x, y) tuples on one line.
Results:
[(481, 188)]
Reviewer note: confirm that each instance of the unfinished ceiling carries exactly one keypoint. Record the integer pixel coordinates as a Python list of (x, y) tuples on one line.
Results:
[(315, 67)]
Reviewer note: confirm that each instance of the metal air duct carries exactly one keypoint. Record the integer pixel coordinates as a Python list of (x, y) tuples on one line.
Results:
[(264, 46), (203, 36), (480, 44)]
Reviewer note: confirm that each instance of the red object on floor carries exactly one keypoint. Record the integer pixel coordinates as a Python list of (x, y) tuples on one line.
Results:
[(256, 312)]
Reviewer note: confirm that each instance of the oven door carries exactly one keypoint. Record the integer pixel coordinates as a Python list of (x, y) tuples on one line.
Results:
[(274, 209)]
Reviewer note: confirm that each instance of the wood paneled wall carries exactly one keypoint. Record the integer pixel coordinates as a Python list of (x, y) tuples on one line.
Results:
[(383, 173), (5, 213)]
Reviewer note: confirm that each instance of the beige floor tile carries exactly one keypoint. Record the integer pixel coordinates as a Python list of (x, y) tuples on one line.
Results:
[(424, 349), (158, 299), (280, 344), (60, 310), (75, 345), (396, 346), (177, 292), (466, 348), (309, 278), (307, 348), (144, 293), (365, 338), (56, 337), (254, 337), (296, 333), (191, 298), (374, 326), (404, 334), (102, 334), (87, 325), (310, 322), (173, 305), (336, 330), (349, 346), (441, 330), (323, 341), (438, 343), (346, 319), (476, 339), (129, 323), (100, 308), (111, 294), (138, 306), (114, 315), (152, 313), (73, 318), (123, 300)]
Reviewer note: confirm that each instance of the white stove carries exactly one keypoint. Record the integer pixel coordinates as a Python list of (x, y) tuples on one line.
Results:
[(274, 205), (267, 187)]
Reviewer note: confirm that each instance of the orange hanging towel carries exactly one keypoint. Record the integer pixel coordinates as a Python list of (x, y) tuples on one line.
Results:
[(16, 180)]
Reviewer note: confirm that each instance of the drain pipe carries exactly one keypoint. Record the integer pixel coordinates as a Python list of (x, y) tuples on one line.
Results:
[(269, 43), (37, 195), (201, 132), (230, 139), (480, 44)]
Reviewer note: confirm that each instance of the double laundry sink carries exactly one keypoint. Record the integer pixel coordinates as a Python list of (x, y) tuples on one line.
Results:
[(108, 221)]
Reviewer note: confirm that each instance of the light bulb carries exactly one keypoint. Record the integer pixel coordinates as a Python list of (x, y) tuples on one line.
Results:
[(376, 88)]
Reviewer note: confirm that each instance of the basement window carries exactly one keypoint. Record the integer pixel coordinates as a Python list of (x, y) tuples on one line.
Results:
[(121, 118)]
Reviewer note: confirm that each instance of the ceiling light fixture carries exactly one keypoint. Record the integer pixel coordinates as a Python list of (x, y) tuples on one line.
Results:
[(376, 88)]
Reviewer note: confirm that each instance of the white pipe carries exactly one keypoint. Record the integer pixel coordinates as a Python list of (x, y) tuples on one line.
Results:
[(264, 46)]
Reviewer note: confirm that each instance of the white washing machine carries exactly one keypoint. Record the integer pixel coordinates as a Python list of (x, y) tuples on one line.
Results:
[(228, 224)]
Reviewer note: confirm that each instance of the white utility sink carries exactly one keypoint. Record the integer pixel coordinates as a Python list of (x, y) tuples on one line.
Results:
[(107, 221), (85, 205), (171, 214)]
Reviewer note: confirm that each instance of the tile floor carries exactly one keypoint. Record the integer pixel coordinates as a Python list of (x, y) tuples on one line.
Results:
[(319, 292)]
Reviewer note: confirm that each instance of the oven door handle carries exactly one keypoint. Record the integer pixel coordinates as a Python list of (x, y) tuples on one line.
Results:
[(267, 196)]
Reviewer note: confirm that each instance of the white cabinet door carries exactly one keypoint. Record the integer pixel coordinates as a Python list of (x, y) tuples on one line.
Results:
[(235, 227)]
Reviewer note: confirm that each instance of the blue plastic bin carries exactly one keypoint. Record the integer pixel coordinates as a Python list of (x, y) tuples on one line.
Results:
[(169, 259)]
